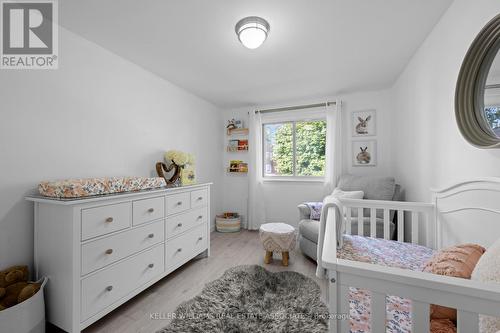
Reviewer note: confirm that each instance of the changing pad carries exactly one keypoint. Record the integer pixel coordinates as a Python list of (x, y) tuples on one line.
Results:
[(78, 188)]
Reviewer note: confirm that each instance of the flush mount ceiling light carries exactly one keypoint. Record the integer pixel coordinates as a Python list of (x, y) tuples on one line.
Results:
[(252, 31)]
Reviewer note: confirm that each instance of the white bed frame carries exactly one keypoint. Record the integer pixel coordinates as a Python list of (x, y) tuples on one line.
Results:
[(466, 212)]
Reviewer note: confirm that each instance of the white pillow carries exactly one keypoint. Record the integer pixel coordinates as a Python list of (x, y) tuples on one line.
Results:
[(339, 194), (488, 270)]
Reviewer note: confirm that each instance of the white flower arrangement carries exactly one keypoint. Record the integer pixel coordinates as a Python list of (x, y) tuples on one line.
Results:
[(180, 158)]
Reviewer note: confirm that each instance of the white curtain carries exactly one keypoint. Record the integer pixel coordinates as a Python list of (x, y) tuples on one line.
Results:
[(334, 146), (256, 205)]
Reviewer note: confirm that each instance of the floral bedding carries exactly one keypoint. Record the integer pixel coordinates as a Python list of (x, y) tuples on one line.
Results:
[(385, 253), (78, 188)]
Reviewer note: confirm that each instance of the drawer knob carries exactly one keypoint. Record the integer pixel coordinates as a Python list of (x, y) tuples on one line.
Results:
[(201, 238), (109, 251), (109, 220), (151, 265), (150, 210), (200, 217), (200, 198), (109, 288), (179, 203), (151, 235), (179, 250), (179, 225)]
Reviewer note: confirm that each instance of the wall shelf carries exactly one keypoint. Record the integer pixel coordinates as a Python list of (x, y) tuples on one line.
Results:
[(230, 170), (239, 149), (237, 131), (237, 145)]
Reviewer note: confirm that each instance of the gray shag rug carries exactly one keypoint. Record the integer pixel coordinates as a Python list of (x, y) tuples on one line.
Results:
[(252, 299)]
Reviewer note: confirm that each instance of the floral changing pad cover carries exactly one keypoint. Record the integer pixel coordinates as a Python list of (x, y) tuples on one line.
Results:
[(78, 188), (386, 253)]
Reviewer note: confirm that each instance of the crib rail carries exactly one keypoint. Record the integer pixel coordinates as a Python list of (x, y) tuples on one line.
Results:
[(419, 216), (470, 298)]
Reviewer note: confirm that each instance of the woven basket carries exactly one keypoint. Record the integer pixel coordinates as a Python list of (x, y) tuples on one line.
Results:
[(223, 224), (27, 316)]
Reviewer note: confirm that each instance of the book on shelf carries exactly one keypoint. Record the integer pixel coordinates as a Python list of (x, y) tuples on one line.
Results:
[(237, 145), (233, 145), (242, 144), (238, 166)]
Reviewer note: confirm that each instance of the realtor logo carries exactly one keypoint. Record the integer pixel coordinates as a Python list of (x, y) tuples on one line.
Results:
[(29, 34)]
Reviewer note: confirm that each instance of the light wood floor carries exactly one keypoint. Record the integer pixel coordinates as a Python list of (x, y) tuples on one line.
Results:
[(227, 250)]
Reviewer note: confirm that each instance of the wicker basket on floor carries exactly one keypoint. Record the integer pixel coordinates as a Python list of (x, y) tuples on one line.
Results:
[(228, 222)]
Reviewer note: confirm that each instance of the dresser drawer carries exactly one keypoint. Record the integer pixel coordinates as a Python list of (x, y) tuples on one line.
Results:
[(108, 250), (105, 219), (178, 224), (178, 203), (186, 246), (108, 286), (199, 198), (148, 210)]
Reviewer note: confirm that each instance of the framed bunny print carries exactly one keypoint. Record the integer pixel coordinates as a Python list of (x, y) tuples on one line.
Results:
[(364, 123), (364, 153)]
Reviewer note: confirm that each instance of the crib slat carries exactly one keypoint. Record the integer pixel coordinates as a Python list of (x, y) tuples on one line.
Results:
[(373, 222), (361, 224), (387, 228), (414, 227), (467, 322), (378, 315), (401, 225), (430, 226), (344, 308), (419, 316), (349, 221)]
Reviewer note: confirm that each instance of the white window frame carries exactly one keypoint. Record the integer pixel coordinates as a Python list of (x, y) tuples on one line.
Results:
[(293, 119)]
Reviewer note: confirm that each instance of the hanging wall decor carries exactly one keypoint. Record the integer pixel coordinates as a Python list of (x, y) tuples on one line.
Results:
[(364, 153), (364, 123)]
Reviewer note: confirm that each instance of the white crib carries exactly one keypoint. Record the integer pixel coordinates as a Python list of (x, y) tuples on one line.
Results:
[(466, 212)]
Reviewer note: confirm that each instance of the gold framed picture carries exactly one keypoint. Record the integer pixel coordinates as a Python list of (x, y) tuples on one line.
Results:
[(188, 175)]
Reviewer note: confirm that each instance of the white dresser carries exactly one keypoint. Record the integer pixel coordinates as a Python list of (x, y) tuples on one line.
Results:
[(99, 252)]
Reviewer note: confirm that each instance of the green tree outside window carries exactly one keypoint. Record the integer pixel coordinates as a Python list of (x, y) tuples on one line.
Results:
[(309, 140)]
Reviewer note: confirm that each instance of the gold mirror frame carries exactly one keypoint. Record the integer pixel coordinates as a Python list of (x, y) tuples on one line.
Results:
[(469, 94)]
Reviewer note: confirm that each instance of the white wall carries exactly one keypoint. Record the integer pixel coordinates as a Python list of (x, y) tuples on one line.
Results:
[(429, 151), (282, 198), (97, 115)]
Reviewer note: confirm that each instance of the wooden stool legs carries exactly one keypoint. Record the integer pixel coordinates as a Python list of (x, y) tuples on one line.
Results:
[(268, 257), (285, 257)]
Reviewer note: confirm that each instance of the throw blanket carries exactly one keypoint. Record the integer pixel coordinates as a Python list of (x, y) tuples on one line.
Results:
[(328, 202)]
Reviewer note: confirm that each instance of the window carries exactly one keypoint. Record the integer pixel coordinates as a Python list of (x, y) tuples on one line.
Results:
[(294, 149), (492, 114)]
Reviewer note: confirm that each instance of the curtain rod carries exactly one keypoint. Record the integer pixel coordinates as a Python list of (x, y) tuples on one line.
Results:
[(297, 107)]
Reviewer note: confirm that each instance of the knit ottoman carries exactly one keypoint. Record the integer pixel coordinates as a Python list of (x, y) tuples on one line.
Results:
[(278, 237)]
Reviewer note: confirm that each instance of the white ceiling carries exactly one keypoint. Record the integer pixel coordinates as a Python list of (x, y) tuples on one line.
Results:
[(315, 48)]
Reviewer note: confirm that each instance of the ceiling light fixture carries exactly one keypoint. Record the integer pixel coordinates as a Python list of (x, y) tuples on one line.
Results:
[(252, 31)]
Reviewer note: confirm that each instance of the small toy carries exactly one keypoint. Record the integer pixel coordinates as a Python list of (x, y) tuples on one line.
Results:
[(14, 286)]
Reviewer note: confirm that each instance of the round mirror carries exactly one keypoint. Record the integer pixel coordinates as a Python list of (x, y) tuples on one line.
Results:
[(477, 97), (491, 110)]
